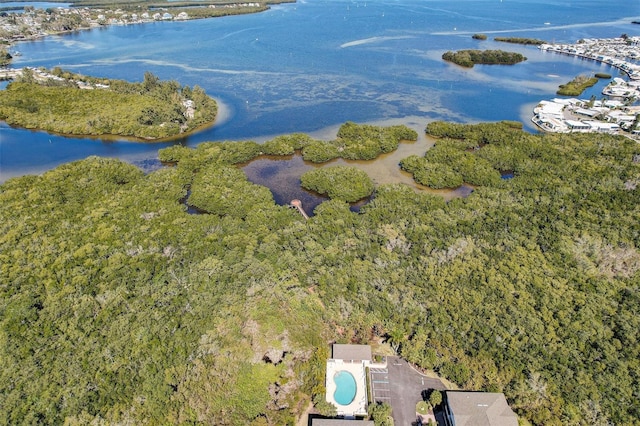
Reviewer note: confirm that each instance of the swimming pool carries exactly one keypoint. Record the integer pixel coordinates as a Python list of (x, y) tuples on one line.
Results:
[(345, 387)]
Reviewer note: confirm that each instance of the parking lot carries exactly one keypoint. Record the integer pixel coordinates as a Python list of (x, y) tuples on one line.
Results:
[(401, 386), (380, 391)]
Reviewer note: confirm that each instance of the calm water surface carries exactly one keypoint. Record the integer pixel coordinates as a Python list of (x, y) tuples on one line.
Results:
[(312, 65), (19, 6)]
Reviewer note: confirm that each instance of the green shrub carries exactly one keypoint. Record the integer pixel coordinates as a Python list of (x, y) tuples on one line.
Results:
[(340, 182), (174, 154), (284, 144), (433, 175), (225, 191), (278, 146), (456, 372), (320, 152)]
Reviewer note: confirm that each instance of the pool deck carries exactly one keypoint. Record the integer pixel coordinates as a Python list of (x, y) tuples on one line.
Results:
[(359, 404)]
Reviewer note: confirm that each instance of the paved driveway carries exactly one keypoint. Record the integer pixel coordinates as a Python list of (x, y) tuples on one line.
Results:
[(401, 386)]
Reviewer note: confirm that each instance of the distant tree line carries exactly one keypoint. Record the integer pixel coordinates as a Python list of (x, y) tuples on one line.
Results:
[(520, 40)]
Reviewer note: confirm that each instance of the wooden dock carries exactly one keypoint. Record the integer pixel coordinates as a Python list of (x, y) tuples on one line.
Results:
[(298, 205)]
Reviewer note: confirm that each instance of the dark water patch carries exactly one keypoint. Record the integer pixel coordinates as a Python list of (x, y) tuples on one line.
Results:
[(507, 174), (282, 176), (148, 165), (191, 209), (462, 191)]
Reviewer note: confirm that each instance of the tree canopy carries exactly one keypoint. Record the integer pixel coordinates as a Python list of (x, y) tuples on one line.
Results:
[(344, 183), (119, 305), (151, 109), (469, 57)]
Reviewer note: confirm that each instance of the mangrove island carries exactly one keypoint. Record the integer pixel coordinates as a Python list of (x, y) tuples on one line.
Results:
[(71, 104), (469, 57)]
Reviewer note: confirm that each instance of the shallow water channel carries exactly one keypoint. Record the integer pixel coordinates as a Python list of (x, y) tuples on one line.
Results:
[(282, 174)]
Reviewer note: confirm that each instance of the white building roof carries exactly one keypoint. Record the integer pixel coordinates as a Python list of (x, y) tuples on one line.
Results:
[(575, 124)]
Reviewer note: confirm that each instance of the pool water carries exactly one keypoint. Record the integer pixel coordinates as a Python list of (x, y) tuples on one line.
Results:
[(345, 387)]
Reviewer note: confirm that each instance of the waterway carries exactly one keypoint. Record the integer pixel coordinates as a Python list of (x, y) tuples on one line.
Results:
[(18, 7), (312, 65)]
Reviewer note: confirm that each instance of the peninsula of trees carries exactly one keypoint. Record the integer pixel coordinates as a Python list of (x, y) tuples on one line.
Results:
[(127, 308), (33, 23), (469, 57), (576, 86), (69, 104)]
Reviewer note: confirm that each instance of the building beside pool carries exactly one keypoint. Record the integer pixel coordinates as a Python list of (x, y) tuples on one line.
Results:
[(340, 422), (346, 381), (477, 409)]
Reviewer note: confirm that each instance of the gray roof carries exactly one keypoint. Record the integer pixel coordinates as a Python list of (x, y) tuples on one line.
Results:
[(340, 422), (352, 352), (480, 409)]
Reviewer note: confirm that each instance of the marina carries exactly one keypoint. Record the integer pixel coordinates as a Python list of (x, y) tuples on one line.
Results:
[(620, 52), (615, 114)]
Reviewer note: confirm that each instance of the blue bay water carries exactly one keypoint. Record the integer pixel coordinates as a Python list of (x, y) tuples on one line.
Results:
[(19, 6), (312, 65)]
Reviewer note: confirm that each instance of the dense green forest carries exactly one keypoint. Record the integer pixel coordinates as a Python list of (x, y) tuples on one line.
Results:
[(469, 57), (118, 306), (151, 109)]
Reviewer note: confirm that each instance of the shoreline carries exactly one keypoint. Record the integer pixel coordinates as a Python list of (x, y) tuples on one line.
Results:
[(223, 111), (601, 50), (572, 115), (94, 24)]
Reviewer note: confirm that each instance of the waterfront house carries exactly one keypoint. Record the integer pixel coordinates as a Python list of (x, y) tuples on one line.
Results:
[(549, 109), (577, 126), (588, 112), (602, 127)]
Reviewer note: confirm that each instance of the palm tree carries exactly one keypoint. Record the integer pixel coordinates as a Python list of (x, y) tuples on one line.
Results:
[(395, 338)]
